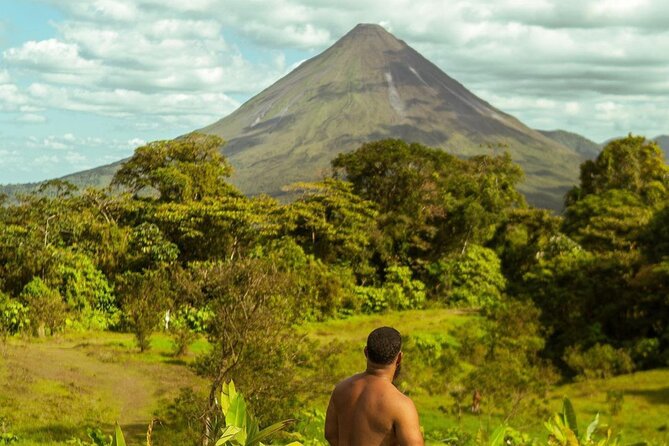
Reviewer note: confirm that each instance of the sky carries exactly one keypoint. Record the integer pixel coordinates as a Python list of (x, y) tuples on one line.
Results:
[(84, 82)]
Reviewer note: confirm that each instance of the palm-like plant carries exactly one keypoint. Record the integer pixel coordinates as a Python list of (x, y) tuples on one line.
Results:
[(241, 429)]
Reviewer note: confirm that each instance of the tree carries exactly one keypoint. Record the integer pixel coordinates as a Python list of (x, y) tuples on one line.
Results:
[(511, 372), (189, 168), (523, 237), (585, 298), (333, 223), (430, 203), (472, 279), (222, 227), (145, 296), (654, 240), (611, 220), (251, 332), (633, 164)]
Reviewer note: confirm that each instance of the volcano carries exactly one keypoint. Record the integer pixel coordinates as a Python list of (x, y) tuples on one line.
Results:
[(370, 85)]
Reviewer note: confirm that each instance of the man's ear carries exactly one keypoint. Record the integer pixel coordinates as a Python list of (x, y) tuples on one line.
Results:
[(399, 358), (366, 353)]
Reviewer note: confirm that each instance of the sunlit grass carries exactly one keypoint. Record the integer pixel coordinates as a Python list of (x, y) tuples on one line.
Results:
[(44, 406)]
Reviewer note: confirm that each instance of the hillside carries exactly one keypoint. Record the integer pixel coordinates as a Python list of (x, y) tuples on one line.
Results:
[(580, 144), (663, 142)]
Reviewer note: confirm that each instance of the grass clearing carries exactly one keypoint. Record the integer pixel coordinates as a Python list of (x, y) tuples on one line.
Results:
[(644, 412), (53, 390), (644, 409)]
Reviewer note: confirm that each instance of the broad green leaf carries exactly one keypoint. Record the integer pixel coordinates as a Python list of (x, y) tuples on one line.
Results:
[(572, 440), (497, 437), (227, 435), (252, 427), (225, 398), (269, 431), (118, 439), (591, 428), (569, 416), (236, 414)]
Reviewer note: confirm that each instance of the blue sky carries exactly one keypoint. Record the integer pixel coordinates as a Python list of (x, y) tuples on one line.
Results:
[(84, 82)]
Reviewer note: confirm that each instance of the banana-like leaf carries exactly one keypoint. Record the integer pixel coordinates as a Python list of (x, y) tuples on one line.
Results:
[(569, 416), (592, 427), (268, 432), (228, 393), (497, 437), (227, 435), (252, 427), (118, 439), (558, 429), (236, 415), (572, 440)]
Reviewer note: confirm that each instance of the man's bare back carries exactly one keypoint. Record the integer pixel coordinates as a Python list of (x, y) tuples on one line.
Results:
[(367, 410)]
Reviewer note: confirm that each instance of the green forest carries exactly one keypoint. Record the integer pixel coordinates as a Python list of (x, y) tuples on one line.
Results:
[(492, 295)]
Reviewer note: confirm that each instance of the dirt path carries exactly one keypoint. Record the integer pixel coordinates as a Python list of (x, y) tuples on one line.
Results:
[(87, 382)]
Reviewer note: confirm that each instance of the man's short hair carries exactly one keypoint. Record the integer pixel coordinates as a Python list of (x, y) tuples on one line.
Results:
[(383, 345)]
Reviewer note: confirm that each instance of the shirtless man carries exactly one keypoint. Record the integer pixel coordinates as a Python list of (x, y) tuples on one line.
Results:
[(366, 409)]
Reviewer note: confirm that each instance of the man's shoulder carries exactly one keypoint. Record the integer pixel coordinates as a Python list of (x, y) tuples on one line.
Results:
[(397, 403), (346, 384)]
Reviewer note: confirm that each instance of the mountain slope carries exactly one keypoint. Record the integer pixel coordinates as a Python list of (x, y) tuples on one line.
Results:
[(663, 142), (370, 85), (580, 144)]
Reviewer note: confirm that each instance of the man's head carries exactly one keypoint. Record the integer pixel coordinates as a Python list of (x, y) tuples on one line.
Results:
[(384, 347)]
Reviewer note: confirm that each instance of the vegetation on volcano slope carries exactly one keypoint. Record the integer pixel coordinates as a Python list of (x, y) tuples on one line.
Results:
[(398, 227)]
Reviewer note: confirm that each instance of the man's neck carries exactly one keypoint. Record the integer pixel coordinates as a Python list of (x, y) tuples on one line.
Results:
[(383, 372)]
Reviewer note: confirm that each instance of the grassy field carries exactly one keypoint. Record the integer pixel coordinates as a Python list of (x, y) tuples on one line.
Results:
[(52, 390)]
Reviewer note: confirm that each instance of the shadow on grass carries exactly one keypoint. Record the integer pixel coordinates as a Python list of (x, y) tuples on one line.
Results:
[(52, 432), (134, 432), (175, 361), (654, 396)]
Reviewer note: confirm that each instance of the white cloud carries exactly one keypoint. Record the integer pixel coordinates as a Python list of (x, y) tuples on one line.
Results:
[(196, 109), (31, 118), (51, 55), (136, 142)]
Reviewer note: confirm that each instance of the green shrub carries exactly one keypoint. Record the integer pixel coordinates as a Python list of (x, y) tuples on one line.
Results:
[(614, 399), (454, 436), (646, 352), (600, 361), (86, 291), (399, 292), (186, 325), (472, 279), (46, 308), (374, 300), (310, 428), (13, 316), (8, 438), (145, 296)]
